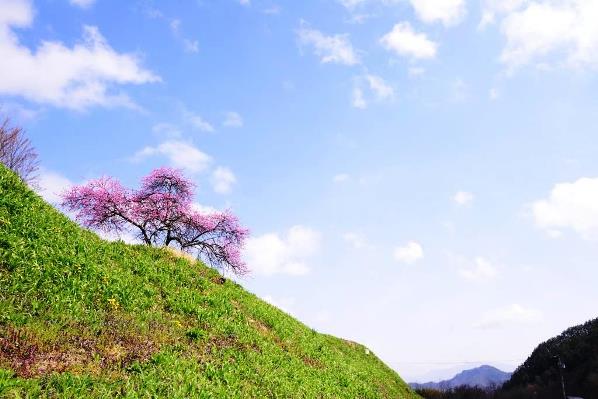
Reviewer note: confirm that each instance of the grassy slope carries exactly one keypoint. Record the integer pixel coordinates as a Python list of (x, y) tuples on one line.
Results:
[(81, 317)]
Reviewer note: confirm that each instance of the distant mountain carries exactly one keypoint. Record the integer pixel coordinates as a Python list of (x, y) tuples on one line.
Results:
[(483, 377)]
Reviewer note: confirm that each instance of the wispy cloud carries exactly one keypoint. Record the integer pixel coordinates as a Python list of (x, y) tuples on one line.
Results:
[(197, 121), (272, 10), (463, 198), (233, 119), (509, 316), (189, 45), (83, 3), (341, 178), (175, 26), (375, 86), (447, 12), (357, 98), (166, 130), (356, 240), (481, 269), (335, 49)]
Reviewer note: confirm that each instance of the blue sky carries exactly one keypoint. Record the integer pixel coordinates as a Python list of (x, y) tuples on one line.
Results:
[(418, 175)]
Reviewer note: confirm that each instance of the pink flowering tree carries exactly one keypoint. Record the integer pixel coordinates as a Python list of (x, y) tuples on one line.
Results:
[(160, 213)]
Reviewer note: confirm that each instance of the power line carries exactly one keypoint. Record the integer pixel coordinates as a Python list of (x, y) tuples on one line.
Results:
[(462, 362)]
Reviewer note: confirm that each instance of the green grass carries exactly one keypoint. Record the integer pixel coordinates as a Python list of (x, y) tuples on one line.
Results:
[(84, 318)]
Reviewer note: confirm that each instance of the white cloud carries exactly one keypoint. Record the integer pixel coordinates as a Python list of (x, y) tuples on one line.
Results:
[(233, 119), (19, 112), (493, 8), (190, 46), (271, 254), (288, 85), (374, 85), (481, 270), (50, 185), (358, 19), (463, 198), (509, 316), (223, 180), (460, 90), (548, 32), (415, 72), (351, 3), (356, 240), (448, 12), (570, 205), (493, 94), (331, 49), (196, 121), (180, 154), (409, 253), (341, 178), (82, 3), (166, 130), (273, 10), (381, 89), (404, 41), (16, 13), (245, 2), (357, 99), (77, 77)]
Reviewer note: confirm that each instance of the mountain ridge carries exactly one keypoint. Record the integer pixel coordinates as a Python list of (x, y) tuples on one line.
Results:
[(483, 376)]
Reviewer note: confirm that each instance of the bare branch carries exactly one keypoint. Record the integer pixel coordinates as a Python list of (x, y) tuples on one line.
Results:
[(16, 151)]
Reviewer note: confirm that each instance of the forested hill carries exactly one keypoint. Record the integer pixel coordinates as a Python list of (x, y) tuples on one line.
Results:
[(539, 377), (84, 318)]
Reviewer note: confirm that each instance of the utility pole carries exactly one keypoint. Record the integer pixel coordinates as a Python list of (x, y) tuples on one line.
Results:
[(561, 367)]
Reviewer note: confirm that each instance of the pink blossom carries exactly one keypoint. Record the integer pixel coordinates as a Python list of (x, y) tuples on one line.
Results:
[(160, 213)]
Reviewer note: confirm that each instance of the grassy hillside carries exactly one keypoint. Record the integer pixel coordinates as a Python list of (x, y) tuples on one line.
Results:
[(81, 317)]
